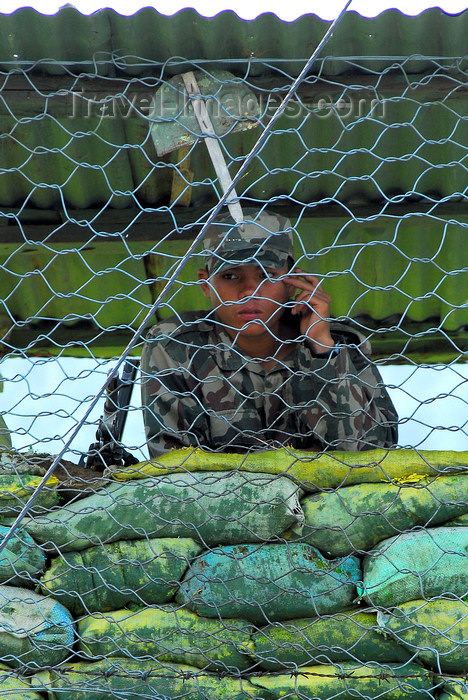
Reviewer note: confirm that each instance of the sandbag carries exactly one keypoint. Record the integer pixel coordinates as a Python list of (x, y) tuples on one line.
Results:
[(414, 565), (16, 490), (351, 635), (35, 631), (15, 688), (21, 561), (358, 517), (437, 630), (104, 578), (168, 634), (313, 471), (453, 689), (211, 508), (389, 682), (134, 680), (264, 583), (460, 521)]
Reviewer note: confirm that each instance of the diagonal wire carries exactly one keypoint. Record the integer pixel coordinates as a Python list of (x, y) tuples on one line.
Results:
[(135, 339)]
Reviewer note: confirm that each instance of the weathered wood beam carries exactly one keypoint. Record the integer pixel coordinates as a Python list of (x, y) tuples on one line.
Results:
[(106, 226), (84, 340), (88, 96)]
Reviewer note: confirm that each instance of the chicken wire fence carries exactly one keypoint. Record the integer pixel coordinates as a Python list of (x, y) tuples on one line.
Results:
[(280, 542)]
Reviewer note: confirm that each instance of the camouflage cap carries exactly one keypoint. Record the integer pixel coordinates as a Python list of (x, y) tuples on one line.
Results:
[(263, 238)]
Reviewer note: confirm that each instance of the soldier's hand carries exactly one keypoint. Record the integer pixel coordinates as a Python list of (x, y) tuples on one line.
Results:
[(312, 303)]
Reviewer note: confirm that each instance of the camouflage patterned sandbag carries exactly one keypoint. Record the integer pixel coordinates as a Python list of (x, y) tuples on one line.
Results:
[(22, 561), (358, 517), (436, 630), (104, 578), (35, 631), (351, 635), (265, 583), (414, 565), (169, 634), (133, 680), (15, 688), (346, 681), (212, 508)]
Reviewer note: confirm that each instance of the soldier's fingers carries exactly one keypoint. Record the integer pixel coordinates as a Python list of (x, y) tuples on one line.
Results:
[(303, 280), (307, 301), (314, 296)]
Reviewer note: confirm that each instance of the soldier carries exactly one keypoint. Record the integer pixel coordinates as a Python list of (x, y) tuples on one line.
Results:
[(263, 368)]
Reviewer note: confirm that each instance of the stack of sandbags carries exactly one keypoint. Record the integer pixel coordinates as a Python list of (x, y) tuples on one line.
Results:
[(132, 545), (220, 582), (421, 579), (35, 630), (375, 495)]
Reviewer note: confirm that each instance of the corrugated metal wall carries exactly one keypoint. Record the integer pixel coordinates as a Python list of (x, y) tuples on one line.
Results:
[(373, 151)]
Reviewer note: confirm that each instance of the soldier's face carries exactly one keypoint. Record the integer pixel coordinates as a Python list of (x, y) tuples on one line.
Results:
[(248, 299)]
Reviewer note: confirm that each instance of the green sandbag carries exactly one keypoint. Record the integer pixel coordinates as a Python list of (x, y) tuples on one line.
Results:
[(437, 630), (389, 682), (351, 635), (34, 631), (21, 561), (358, 517), (104, 578), (169, 634), (453, 689), (16, 490), (264, 583), (134, 680), (210, 507), (460, 521), (14, 688), (417, 565)]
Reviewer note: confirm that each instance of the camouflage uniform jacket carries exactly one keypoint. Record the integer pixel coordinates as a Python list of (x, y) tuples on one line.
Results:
[(198, 389)]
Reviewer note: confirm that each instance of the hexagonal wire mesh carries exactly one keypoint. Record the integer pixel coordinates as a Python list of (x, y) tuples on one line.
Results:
[(280, 541)]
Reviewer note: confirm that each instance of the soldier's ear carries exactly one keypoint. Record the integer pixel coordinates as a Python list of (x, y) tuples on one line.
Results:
[(205, 287)]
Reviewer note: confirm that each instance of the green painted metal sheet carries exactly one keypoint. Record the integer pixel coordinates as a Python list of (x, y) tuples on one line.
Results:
[(149, 36), (58, 42), (399, 135), (372, 269)]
